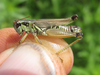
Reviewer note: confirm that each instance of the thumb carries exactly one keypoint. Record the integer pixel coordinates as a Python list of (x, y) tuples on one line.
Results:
[(49, 45)]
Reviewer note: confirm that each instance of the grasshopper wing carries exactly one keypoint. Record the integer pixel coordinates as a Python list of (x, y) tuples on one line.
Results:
[(50, 22)]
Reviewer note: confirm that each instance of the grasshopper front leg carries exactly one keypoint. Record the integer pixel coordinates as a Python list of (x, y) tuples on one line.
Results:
[(23, 38), (26, 34)]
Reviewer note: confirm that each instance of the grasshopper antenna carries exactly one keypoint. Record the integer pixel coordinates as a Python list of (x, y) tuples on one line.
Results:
[(20, 19)]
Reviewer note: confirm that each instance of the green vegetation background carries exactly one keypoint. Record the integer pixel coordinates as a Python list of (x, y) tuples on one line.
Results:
[(86, 51)]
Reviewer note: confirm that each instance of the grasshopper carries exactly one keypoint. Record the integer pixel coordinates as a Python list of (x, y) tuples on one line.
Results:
[(48, 27)]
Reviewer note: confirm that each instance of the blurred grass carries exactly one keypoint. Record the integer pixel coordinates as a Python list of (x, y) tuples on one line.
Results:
[(86, 51)]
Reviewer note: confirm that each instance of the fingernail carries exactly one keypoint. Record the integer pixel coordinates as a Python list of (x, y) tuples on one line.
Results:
[(28, 59)]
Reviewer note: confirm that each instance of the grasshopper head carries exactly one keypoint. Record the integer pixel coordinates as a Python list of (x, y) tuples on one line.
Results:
[(75, 29), (17, 27), (16, 24)]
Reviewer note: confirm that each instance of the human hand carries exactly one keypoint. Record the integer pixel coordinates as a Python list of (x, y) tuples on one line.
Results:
[(30, 57)]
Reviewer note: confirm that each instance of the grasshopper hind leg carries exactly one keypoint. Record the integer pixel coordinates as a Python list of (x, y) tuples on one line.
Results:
[(77, 35)]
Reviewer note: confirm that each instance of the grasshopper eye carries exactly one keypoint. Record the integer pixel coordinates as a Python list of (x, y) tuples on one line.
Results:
[(16, 25)]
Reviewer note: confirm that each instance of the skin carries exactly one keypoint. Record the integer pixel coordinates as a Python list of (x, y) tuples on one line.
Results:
[(11, 52)]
